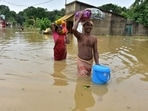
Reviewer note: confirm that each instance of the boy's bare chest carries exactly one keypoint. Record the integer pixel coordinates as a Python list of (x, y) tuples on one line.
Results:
[(87, 41)]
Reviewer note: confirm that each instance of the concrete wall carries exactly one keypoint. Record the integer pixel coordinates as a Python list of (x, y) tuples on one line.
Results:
[(102, 27), (117, 25), (139, 30), (111, 25)]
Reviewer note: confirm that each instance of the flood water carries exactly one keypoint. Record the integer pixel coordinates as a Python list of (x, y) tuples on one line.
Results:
[(30, 80)]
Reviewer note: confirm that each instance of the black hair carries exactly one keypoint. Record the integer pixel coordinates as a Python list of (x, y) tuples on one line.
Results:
[(57, 26)]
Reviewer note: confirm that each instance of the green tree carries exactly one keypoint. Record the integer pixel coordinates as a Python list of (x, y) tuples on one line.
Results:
[(32, 12), (20, 18), (29, 16), (56, 14), (4, 10), (139, 10), (137, 2), (43, 23), (113, 8), (10, 16)]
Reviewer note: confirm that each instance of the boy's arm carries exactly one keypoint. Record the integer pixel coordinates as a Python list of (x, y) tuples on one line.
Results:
[(75, 26), (67, 39), (96, 53)]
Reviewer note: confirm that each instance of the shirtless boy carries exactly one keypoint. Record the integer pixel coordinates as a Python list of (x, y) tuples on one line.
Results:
[(87, 47)]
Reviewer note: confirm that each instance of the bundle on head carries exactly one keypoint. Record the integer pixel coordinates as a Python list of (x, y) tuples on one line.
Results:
[(63, 25)]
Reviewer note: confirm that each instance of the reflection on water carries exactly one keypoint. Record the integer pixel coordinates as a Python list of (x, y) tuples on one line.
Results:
[(99, 90), (83, 95), (59, 78), (84, 91), (28, 56)]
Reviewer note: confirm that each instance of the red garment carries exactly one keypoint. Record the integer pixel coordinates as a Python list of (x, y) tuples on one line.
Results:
[(60, 51), (84, 67)]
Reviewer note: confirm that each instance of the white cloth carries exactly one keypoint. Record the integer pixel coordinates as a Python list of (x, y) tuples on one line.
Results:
[(80, 27)]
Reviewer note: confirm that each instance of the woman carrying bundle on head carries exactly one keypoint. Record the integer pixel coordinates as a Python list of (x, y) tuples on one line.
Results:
[(60, 37)]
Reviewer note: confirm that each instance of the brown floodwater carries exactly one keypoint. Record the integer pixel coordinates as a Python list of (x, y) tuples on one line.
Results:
[(30, 80)]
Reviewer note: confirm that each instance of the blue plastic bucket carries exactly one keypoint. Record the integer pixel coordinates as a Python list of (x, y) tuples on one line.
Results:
[(100, 74)]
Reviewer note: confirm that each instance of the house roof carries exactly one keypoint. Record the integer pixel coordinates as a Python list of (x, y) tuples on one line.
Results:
[(81, 3)]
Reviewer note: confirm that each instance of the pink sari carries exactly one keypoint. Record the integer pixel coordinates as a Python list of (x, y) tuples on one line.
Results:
[(55, 36), (60, 51)]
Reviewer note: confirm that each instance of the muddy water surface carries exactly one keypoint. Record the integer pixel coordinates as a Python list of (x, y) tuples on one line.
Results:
[(30, 80)]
